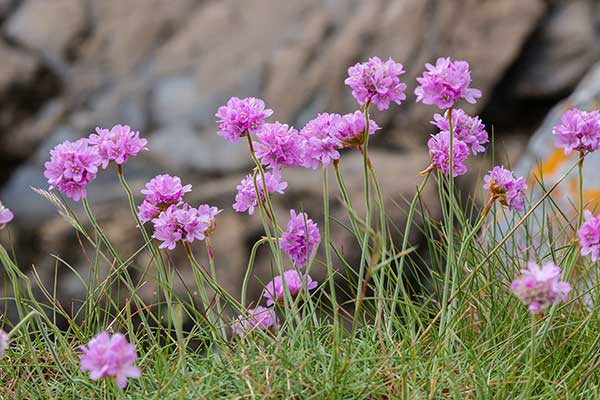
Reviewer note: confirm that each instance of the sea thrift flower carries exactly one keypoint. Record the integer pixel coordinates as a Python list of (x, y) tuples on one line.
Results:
[(240, 117), (161, 192), (294, 239), (4, 342), (71, 167), (245, 199), (112, 356), (260, 318), (589, 235), (376, 81), (353, 132), (501, 183), (466, 128), (540, 287), (279, 146), (578, 130), (439, 148), (117, 144), (209, 214), (182, 223), (446, 82), (274, 290), (5, 216), (321, 139)]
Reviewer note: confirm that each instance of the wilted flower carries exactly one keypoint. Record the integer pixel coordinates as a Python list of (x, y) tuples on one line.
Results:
[(589, 235), (446, 82), (501, 183), (240, 117), (110, 356), (71, 167), (376, 81), (464, 127), (274, 290), (260, 318), (245, 199), (5, 215), (279, 146), (183, 223), (540, 287), (117, 144), (161, 192), (294, 243), (353, 132), (321, 139), (439, 148), (578, 130), (4, 342)]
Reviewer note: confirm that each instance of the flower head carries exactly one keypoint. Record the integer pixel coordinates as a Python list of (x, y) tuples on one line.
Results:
[(300, 239), (183, 223), (539, 287), (260, 318), (245, 199), (4, 342), (353, 132), (589, 235), (161, 192), (578, 130), (466, 128), (5, 215), (439, 148), (279, 146), (445, 83), (501, 183), (117, 144), (209, 214), (111, 356), (377, 81), (240, 117), (274, 290), (71, 167), (321, 139)]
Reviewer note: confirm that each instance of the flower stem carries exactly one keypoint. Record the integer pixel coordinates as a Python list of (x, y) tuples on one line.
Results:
[(22, 322)]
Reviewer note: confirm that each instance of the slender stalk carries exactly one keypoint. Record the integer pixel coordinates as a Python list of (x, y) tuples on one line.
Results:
[(213, 273), (581, 199), (328, 258), (22, 322)]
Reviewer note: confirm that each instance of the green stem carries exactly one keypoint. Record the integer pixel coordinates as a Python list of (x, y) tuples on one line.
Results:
[(328, 258), (581, 199), (213, 272), (250, 267), (22, 322)]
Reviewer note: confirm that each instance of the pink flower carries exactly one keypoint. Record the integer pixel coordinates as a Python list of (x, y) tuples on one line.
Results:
[(111, 356), (4, 342), (439, 148), (240, 117), (578, 130), (279, 146), (376, 81), (117, 144), (161, 192), (589, 235), (466, 128), (209, 214), (5, 216), (274, 290), (260, 318), (501, 183), (540, 287), (183, 223), (245, 199), (445, 83), (353, 132), (293, 242), (321, 139), (71, 167)]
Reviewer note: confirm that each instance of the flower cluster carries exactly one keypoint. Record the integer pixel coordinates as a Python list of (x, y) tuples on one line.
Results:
[(578, 131), (279, 146), (502, 185), (465, 128), (439, 146), (4, 342), (260, 318), (117, 144), (241, 117), (377, 81), (184, 223), (321, 139), (160, 193), (110, 356), (274, 290), (589, 235), (540, 287), (5, 215), (353, 131), (246, 199), (445, 83), (301, 238)]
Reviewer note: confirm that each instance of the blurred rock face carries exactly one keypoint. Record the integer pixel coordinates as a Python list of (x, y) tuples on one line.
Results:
[(164, 67)]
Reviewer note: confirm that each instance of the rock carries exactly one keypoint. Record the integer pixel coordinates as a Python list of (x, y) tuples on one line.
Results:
[(16, 69)]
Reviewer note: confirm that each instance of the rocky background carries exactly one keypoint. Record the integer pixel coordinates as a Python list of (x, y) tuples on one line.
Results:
[(164, 66)]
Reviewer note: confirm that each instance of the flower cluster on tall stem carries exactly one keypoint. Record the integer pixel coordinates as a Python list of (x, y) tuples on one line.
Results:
[(589, 236), (540, 287), (504, 187), (5, 215)]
